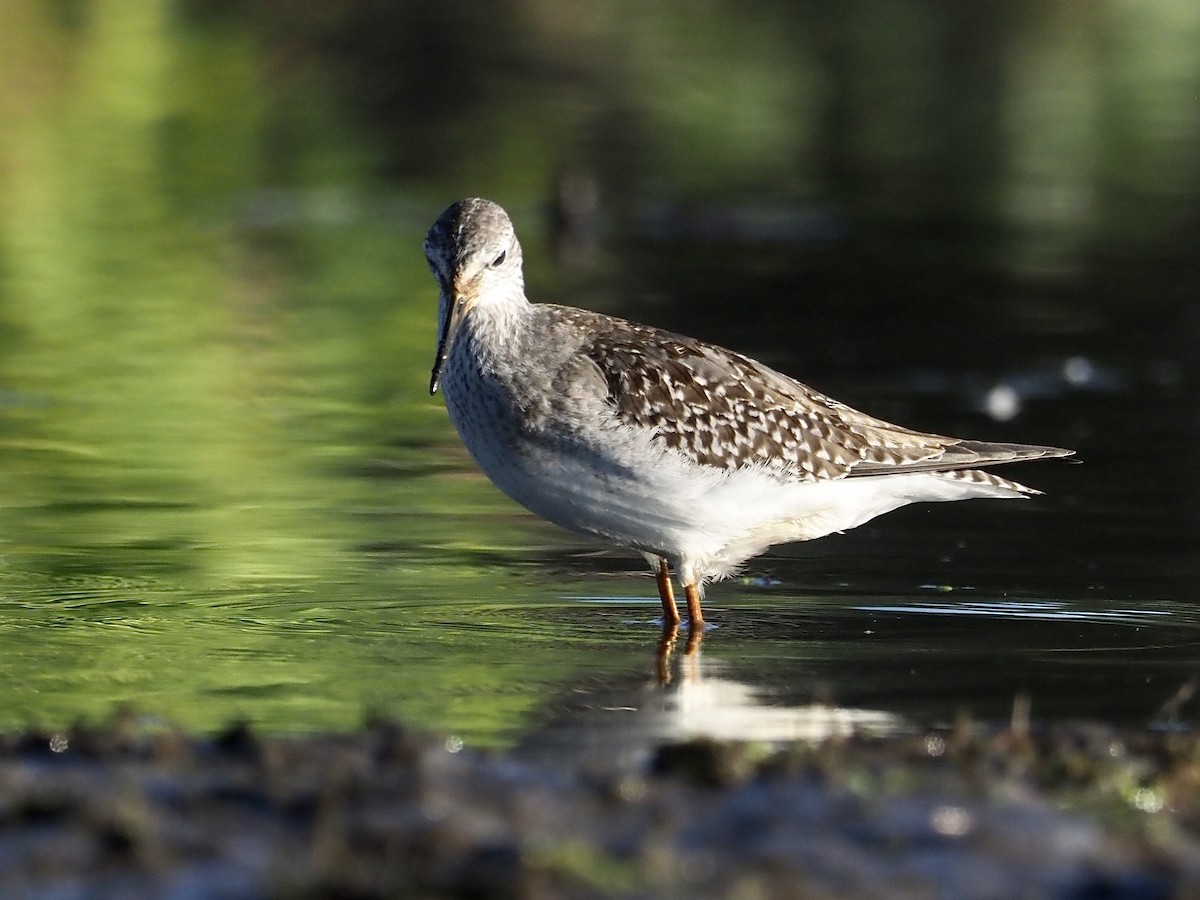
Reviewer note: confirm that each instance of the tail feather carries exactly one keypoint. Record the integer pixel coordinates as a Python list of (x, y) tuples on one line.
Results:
[(990, 485), (966, 455)]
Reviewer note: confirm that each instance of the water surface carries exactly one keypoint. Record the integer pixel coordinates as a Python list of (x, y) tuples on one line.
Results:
[(225, 492), (350, 579)]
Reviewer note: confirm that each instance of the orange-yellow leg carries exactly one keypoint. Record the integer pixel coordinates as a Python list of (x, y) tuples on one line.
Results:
[(695, 616), (667, 595)]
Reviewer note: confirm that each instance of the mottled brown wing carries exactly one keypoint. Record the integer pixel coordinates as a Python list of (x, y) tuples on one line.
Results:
[(725, 410)]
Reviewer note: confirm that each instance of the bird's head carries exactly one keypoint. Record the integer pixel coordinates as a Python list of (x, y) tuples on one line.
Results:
[(473, 252)]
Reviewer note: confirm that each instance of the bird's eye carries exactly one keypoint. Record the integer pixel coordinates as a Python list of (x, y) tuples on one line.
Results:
[(499, 260)]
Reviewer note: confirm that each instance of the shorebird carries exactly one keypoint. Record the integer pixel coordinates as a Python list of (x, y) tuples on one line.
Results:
[(696, 456)]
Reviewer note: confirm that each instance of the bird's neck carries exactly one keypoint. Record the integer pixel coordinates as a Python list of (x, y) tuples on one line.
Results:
[(497, 327)]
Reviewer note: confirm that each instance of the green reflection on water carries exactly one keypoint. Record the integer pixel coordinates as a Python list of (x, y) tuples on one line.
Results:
[(224, 490), (204, 508)]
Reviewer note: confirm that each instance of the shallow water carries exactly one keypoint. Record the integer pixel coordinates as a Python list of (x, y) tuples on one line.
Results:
[(354, 577), (225, 492)]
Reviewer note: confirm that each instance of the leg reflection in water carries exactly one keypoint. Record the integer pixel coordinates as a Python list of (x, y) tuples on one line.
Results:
[(690, 665)]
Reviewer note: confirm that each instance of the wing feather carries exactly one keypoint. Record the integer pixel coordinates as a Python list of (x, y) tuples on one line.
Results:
[(722, 409)]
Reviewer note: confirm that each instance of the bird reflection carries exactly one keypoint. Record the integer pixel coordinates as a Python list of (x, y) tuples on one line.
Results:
[(621, 724), (690, 664), (690, 702)]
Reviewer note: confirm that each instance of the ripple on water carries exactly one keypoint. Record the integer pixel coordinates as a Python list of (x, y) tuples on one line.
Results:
[(1047, 610)]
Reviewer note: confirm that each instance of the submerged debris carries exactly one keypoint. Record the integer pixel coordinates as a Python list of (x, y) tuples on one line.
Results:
[(970, 812)]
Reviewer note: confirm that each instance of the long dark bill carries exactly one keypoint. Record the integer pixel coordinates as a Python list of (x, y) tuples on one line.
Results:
[(446, 342)]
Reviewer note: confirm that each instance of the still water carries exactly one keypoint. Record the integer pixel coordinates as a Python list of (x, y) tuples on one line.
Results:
[(292, 536), (226, 494)]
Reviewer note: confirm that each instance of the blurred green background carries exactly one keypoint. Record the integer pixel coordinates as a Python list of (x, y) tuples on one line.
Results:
[(224, 489)]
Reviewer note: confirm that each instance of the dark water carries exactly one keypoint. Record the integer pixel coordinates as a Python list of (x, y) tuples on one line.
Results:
[(225, 493), (342, 558)]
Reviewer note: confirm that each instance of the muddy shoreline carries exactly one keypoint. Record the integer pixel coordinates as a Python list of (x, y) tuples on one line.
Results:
[(1058, 811)]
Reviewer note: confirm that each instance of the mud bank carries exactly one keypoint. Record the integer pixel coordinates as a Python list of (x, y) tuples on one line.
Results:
[(1064, 811)]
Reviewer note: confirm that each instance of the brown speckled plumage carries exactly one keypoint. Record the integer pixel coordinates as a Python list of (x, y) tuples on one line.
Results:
[(725, 410)]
